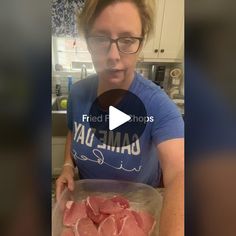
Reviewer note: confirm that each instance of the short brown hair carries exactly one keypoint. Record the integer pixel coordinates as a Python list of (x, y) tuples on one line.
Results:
[(93, 8)]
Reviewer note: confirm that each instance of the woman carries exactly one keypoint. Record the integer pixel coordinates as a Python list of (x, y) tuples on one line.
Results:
[(115, 32)]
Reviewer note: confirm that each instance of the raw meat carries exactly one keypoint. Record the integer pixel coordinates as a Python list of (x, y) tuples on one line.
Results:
[(94, 203), (85, 227), (123, 202), (97, 219), (130, 227), (114, 205), (120, 216), (138, 219), (110, 207), (98, 216), (67, 232), (148, 222), (108, 227), (73, 212)]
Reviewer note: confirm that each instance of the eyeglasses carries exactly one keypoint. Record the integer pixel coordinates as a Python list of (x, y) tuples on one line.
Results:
[(102, 44)]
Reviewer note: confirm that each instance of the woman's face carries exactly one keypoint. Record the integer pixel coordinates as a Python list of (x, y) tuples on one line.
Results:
[(117, 20)]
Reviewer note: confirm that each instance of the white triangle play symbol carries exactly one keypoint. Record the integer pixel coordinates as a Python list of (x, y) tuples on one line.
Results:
[(117, 118)]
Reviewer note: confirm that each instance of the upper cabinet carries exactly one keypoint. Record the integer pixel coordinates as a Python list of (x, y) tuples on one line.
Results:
[(167, 43)]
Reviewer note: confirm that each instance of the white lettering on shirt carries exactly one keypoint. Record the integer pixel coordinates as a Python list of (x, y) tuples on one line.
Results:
[(108, 140)]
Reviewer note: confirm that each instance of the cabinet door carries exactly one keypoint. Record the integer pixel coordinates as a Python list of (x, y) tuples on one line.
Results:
[(172, 34), (151, 47)]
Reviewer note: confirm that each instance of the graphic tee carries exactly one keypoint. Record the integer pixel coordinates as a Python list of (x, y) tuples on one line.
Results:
[(137, 162)]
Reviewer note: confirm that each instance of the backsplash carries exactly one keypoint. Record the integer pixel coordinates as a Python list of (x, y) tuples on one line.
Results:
[(145, 68), (62, 78), (142, 67)]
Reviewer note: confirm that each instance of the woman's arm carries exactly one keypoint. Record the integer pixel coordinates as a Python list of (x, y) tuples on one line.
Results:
[(66, 178), (172, 163)]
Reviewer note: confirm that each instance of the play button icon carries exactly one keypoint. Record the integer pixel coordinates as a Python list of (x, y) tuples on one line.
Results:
[(117, 118)]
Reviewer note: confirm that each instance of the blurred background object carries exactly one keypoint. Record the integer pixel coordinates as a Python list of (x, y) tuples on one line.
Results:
[(58, 67), (83, 73), (25, 92), (210, 117), (175, 82)]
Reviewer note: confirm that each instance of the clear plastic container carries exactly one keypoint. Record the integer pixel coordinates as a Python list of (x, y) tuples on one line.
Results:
[(141, 197)]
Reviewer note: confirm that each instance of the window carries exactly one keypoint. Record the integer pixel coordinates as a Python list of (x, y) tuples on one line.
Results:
[(70, 54)]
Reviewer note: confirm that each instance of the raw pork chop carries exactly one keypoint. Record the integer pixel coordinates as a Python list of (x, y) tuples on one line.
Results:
[(110, 207), (114, 205), (98, 216), (85, 227), (73, 212), (123, 202), (138, 218), (93, 205), (67, 232), (108, 227), (148, 222), (130, 227), (119, 217)]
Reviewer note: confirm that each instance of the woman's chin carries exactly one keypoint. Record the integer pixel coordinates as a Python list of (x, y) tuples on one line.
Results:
[(115, 81)]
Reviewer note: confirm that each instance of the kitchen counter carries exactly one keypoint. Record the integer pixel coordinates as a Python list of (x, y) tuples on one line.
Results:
[(180, 104), (181, 107)]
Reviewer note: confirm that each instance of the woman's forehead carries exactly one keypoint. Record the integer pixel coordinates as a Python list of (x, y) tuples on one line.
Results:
[(120, 18)]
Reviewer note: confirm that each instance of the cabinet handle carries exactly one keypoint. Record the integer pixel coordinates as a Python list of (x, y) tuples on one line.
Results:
[(162, 50), (156, 50)]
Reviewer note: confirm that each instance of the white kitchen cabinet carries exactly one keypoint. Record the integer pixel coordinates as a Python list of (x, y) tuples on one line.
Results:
[(166, 45)]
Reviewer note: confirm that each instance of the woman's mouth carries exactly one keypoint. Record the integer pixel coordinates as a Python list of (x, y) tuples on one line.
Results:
[(115, 72)]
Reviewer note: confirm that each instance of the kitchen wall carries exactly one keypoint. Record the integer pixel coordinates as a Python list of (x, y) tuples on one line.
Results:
[(143, 67), (62, 78)]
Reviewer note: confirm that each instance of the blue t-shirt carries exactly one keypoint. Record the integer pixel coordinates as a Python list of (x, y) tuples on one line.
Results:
[(137, 162)]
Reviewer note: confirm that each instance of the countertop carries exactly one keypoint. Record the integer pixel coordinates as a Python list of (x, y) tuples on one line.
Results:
[(181, 107)]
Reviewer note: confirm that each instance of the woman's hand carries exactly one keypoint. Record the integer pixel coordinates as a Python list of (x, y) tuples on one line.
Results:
[(66, 179)]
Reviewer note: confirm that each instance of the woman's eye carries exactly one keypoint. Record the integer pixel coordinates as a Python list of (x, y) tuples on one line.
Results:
[(127, 41)]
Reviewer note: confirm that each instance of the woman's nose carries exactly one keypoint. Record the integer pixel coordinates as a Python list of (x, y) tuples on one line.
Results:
[(113, 53)]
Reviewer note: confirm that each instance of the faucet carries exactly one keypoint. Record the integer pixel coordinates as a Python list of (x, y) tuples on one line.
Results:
[(83, 73)]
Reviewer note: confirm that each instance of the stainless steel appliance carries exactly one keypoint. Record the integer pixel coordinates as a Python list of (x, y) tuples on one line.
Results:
[(157, 74)]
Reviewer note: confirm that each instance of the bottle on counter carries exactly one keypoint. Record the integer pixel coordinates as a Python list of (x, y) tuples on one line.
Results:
[(70, 80), (84, 72), (58, 87), (141, 73)]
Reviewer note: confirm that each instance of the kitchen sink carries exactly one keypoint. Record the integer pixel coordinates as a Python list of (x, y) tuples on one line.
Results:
[(59, 118), (59, 103)]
